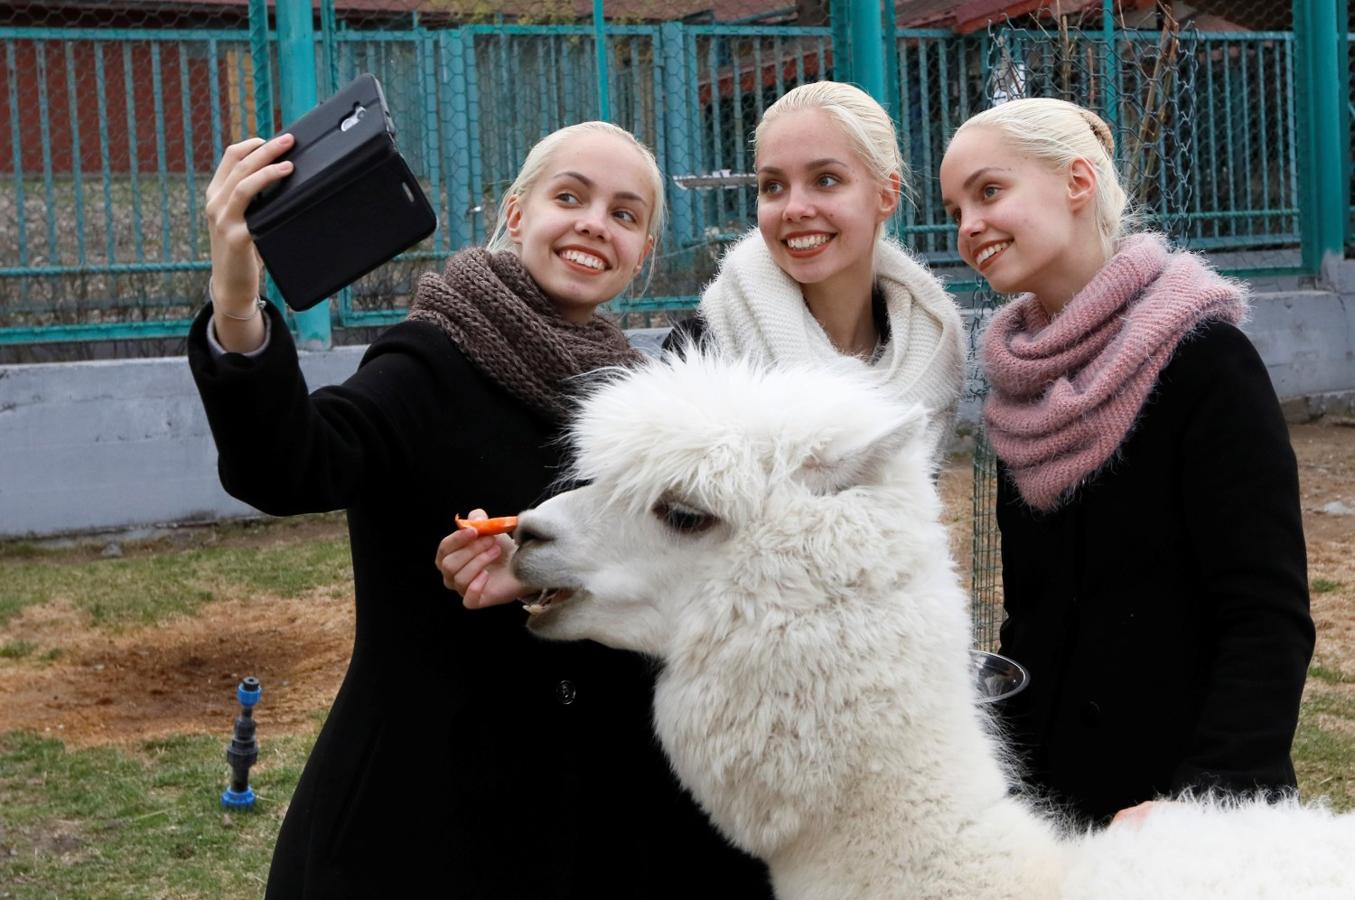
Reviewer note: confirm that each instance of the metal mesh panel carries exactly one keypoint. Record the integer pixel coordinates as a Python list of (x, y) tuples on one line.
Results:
[(112, 121), (146, 95), (473, 87)]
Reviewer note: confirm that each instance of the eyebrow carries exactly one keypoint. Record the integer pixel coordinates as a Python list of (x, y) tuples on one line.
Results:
[(588, 183), (813, 164), (972, 178)]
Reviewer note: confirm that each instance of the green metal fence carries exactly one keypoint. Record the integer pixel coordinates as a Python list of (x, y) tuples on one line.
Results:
[(110, 135), (693, 93), (109, 139)]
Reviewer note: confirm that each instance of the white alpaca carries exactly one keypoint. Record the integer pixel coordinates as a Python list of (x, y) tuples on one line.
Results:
[(774, 538)]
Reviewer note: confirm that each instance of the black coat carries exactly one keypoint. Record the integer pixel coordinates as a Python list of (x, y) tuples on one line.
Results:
[(1163, 611), (461, 752)]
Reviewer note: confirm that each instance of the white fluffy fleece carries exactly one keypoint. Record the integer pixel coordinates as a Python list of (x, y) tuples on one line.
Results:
[(774, 537)]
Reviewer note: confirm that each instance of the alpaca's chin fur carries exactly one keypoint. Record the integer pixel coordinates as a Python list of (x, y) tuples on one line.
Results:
[(773, 537)]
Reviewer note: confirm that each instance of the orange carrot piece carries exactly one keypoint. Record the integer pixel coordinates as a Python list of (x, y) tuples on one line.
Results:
[(501, 525)]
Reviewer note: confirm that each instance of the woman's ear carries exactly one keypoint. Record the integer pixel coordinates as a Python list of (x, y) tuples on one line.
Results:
[(644, 254), (890, 192), (1081, 184), (512, 217)]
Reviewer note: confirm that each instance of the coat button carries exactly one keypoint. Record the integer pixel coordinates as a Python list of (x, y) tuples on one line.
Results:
[(565, 692), (1091, 714)]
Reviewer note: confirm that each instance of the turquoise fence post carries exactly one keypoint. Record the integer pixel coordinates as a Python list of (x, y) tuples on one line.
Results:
[(328, 29), (840, 21), (1343, 53), (262, 69), (456, 121), (677, 140), (1110, 65), (600, 46), (868, 48), (296, 72), (890, 42), (1324, 151)]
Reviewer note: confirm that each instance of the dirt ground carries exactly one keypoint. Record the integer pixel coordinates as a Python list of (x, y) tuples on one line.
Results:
[(179, 677)]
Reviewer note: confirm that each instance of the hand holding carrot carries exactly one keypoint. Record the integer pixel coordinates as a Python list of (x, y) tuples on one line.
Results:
[(475, 561)]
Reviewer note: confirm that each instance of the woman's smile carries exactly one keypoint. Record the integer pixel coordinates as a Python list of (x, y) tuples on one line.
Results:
[(988, 253), (803, 245), (581, 260)]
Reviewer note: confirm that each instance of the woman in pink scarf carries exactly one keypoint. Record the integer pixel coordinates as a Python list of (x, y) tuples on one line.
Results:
[(1154, 571)]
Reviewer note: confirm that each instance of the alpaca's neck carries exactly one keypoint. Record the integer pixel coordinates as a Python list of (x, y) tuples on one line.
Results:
[(882, 784), (926, 825)]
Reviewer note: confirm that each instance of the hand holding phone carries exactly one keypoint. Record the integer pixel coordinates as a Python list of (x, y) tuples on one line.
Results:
[(246, 169), (349, 204)]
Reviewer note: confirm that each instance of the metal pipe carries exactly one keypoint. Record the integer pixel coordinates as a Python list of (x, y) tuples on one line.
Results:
[(296, 67)]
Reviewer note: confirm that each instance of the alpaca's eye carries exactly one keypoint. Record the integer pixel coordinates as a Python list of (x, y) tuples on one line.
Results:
[(683, 519)]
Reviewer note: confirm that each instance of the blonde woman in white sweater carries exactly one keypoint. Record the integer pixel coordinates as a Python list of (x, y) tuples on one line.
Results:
[(819, 279)]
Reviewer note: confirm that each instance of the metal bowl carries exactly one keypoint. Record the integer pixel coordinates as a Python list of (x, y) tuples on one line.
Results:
[(998, 677)]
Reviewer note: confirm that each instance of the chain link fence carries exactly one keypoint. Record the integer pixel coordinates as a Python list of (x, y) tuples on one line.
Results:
[(112, 120), (116, 114), (473, 89)]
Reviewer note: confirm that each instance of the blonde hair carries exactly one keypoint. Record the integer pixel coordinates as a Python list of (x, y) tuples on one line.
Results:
[(867, 126), (1058, 132), (534, 166)]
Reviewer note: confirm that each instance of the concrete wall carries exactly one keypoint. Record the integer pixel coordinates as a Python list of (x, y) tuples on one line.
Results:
[(118, 444), (113, 444)]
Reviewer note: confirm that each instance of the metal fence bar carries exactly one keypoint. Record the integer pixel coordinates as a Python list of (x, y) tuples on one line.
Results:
[(189, 164), (76, 168), (161, 170), (12, 79), (134, 163), (105, 169), (44, 124)]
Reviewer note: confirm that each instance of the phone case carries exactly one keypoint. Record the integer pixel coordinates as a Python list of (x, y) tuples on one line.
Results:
[(350, 204)]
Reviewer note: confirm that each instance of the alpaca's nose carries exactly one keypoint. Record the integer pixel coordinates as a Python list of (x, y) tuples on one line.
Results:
[(532, 530)]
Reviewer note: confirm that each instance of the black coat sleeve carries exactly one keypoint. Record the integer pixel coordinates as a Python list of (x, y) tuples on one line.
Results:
[(1241, 499), (284, 450)]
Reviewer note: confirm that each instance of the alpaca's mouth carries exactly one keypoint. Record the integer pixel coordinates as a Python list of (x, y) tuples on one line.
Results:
[(543, 601)]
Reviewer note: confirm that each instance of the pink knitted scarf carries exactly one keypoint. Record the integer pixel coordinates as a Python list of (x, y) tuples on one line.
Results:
[(1065, 393)]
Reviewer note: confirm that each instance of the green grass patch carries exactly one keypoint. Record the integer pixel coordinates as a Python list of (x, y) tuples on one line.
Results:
[(147, 822), (17, 649), (143, 589), (1323, 585), (1330, 676), (1324, 756)]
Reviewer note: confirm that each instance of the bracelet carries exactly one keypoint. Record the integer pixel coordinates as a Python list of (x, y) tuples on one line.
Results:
[(259, 304), (258, 308)]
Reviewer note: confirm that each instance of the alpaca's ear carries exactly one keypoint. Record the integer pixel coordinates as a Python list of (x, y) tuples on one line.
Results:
[(862, 457)]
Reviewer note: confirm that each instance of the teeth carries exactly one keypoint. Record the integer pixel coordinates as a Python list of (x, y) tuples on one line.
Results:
[(807, 242), (989, 251), (583, 259), (544, 600)]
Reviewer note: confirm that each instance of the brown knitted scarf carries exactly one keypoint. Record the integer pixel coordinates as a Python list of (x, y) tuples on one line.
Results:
[(493, 310)]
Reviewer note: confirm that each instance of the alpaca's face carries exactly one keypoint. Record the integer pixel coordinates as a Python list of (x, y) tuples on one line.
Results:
[(625, 571), (713, 486)]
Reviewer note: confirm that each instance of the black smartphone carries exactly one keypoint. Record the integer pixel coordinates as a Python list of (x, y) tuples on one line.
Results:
[(350, 204)]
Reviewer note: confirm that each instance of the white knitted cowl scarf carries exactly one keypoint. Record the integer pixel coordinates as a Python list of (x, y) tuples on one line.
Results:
[(754, 308)]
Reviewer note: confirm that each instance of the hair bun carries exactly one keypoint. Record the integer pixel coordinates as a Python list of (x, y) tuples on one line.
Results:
[(1101, 130)]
